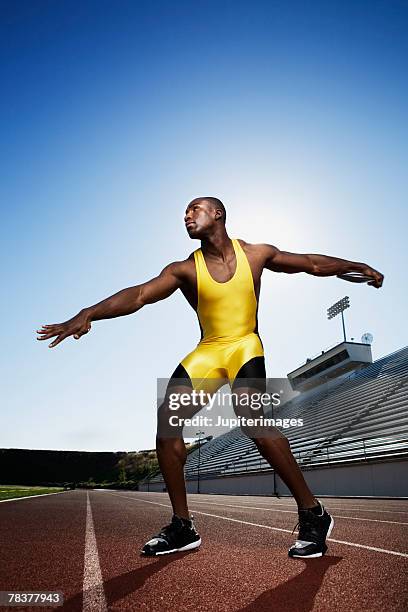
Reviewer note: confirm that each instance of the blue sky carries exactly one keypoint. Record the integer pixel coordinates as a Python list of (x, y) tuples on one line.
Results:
[(115, 115)]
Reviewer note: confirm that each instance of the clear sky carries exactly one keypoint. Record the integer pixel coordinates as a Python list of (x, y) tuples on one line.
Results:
[(114, 115)]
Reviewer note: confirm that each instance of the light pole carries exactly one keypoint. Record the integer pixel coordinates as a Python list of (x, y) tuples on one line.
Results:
[(337, 308), (199, 434)]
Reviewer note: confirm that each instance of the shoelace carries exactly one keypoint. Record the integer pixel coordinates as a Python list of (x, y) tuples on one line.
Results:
[(305, 521), (295, 527), (164, 531)]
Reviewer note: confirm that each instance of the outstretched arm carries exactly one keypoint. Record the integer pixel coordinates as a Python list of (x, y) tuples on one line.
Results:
[(124, 302), (317, 265)]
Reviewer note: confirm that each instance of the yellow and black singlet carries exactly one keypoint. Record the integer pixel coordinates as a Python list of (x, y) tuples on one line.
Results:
[(227, 313)]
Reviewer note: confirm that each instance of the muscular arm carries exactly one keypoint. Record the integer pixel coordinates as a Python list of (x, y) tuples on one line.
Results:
[(132, 299), (125, 302), (317, 265)]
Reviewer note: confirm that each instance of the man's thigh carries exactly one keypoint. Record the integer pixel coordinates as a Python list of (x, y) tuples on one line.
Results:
[(252, 375), (180, 402), (251, 401)]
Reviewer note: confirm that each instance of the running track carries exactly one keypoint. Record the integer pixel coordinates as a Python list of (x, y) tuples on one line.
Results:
[(87, 544)]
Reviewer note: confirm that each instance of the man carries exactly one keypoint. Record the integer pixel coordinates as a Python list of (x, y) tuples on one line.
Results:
[(221, 281)]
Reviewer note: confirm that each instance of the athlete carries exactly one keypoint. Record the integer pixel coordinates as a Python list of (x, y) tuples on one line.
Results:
[(221, 281)]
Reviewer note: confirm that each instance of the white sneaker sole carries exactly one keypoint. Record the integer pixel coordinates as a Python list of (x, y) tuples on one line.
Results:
[(307, 556), (190, 546), (316, 554)]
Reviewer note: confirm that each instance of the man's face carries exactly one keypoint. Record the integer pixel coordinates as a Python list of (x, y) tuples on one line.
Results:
[(199, 219)]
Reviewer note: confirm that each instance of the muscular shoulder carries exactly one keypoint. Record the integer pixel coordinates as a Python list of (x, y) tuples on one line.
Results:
[(260, 251), (181, 269)]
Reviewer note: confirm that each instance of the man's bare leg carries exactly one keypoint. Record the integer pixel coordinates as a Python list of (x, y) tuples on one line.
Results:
[(278, 454), (180, 534), (275, 448), (171, 453)]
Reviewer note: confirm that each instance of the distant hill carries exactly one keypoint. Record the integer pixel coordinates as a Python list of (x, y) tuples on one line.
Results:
[(35, 467)]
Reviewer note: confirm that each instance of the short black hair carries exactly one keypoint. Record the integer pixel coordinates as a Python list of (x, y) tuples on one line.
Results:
[(216, 203)]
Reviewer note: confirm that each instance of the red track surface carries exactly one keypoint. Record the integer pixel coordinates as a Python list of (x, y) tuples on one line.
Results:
[(239, 567)]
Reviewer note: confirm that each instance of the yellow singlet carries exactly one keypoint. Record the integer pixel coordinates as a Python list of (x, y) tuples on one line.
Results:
[(227, 313)]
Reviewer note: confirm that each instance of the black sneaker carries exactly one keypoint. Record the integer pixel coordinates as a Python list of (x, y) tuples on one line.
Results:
[(178, 536), (314, 528)]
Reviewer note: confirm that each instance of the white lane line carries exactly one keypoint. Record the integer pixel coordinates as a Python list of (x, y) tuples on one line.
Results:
[(227, 518), (360, 508), (275, 502), (352, 518), (93, 594), (31, 496)]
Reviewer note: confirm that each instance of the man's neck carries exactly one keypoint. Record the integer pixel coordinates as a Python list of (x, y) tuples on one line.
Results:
[(218, 245)]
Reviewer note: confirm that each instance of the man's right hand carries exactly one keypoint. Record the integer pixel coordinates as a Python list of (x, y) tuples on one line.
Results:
[(77, 327)]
